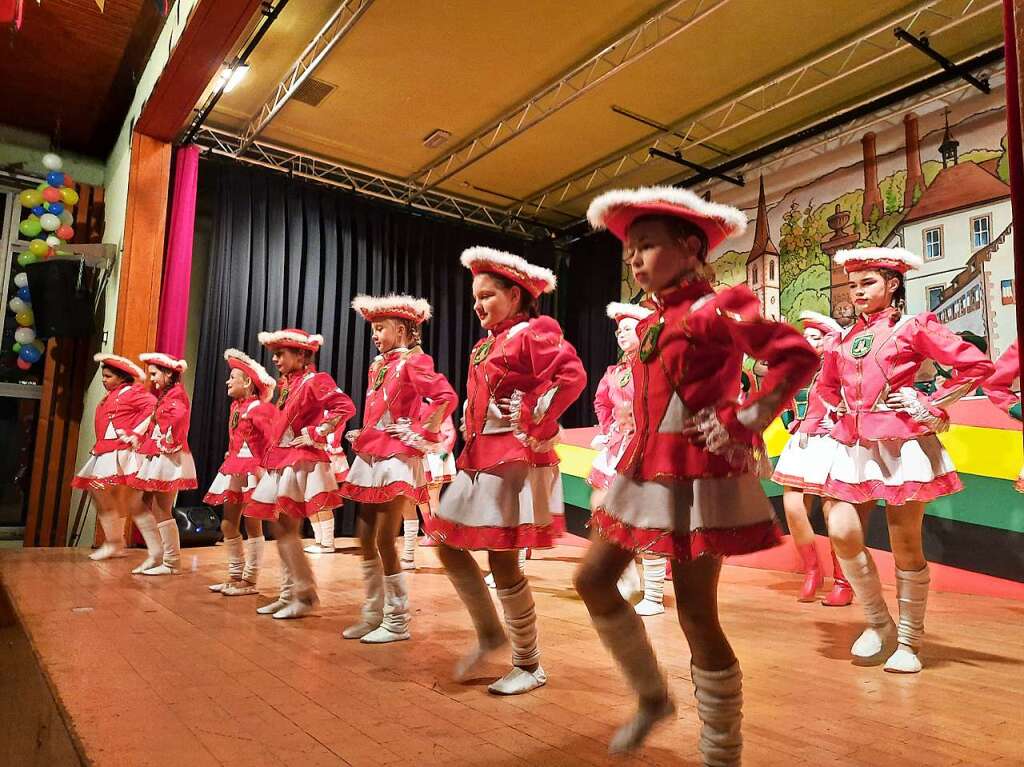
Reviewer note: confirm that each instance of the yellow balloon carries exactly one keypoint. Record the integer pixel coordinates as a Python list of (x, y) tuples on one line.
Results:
[(68, 195), (30, 198), (25, 318)]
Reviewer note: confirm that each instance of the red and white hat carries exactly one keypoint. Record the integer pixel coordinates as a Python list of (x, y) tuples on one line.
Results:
[(401, 306), (165, 361), (618, 209), (820, 322), (261, 379), (863, 259), (619, 312), (291, 338), (123, 364), (535, 279)]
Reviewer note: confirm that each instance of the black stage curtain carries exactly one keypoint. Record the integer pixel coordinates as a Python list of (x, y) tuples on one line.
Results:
[(287, 253)]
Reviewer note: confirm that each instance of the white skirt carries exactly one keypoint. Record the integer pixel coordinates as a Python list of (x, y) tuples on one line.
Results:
[(806, 468), (439, 468), (512, 506), (339, 465), (107, 470), (166, 473), (302, 490), (379, 480), (230, 488), (894, 470)]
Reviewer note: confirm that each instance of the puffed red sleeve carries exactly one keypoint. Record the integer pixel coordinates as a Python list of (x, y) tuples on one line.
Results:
[(603, 405), (135, 410), (333, 408), (553, 362), (439, 397), (970, 367), (172, 417), (999, 386), (262, 422), (790, 359)]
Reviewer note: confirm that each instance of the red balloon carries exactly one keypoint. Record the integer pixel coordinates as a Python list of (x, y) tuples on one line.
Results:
[(68, 181), (51, 194), (65, 232), (50, 253), (24, 364)]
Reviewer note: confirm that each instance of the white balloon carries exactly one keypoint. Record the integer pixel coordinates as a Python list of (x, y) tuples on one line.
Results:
[(24, 335), (53, 241), (17, 306), (66, 218), (21, 280), (49, 222), (52, 161)]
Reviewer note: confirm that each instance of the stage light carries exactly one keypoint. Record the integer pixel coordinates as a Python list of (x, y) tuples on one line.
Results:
[(232, 76)]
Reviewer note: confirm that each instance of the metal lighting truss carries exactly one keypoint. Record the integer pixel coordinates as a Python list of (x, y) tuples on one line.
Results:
[(340, 23), (645, 37), (363, 181), (777, 92)]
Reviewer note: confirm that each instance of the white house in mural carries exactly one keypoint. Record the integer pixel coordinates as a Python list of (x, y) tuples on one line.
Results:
[(962, 228), (763, 270)]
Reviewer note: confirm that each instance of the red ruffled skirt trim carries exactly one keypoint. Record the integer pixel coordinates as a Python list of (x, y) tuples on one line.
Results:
[(99, 483), (494, 538), (325, 501), (384, 493), (686, 546), (893, 495), (798, 483), (228, 496), (162, 486)]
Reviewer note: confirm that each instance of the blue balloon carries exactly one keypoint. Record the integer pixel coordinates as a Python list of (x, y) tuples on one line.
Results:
[(56, 208), (30, 354), (39, 210), (23, 294), (55, 178)]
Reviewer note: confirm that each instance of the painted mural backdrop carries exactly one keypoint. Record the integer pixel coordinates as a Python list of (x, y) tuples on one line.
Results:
[(935, 184)]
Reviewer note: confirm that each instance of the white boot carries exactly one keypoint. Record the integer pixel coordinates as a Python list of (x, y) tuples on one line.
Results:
[(912, 591), (373, 605), (653, 602), (146, 523), (490, 635), (410, 529), (860, 571), (304, 597), (629, 583), (113, 537), (286, 595), (720, 708), (172, 549), (395, 625), (251, 570), (624, 636), (521, 621), (327, 535), (236, 562)]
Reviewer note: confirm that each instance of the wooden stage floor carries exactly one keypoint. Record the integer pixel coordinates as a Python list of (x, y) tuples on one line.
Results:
[(159, 671)]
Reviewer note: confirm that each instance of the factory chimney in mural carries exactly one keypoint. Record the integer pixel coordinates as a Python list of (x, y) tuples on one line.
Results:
[(872, 197), (915, 176)]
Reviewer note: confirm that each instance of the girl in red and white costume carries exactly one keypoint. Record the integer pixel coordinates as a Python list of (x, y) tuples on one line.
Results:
[(124, 410), (888, 449), (323, 522), (298, 480), (440, 470), (507, 495), (687, 484), (804, 465), (250, 422), (406, 402), (167, 466), (1000, 391), (613, 404)]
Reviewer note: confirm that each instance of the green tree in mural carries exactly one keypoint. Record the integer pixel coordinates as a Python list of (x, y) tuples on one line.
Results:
[(800, 242), (1003, 168)]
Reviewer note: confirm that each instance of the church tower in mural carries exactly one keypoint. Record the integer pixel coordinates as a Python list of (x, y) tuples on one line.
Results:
[(763, 268)]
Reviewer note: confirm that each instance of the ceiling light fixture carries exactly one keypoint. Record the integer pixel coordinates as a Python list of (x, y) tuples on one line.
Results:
[(232, 76)]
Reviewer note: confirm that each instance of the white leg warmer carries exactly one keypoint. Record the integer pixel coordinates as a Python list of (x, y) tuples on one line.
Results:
[(720, 708)]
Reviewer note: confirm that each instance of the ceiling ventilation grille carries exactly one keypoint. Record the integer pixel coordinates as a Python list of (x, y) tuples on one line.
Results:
[(313, 91)]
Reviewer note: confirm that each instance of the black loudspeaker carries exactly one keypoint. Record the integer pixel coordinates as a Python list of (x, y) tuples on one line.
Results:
[(198, 525), (62, 300)]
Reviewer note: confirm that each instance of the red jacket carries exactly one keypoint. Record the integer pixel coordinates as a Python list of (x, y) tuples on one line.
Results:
[(879, 355), (999, 386), (399, 383), (168, 432), (688, 370), (121, 417), (249, 426), (529, 362), (613, 404), (310, 404)]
